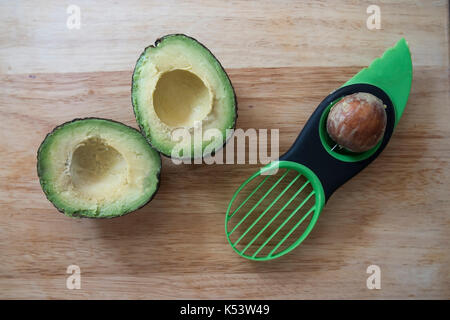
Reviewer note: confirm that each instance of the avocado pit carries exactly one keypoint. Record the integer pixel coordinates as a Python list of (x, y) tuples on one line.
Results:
[(357, 122)]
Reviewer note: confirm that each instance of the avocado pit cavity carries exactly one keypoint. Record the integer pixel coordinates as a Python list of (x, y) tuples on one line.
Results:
[(181, 98), (97, 167)]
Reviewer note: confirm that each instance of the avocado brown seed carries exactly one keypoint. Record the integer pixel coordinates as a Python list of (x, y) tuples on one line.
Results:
[(357, 122)]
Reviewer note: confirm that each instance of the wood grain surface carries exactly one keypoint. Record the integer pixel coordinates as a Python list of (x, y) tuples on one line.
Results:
[(283, 58)]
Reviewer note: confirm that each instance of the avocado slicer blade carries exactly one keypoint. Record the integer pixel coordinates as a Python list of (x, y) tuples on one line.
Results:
[(275, 209)]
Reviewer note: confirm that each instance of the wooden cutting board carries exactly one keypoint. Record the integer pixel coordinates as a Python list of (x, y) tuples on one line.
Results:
[(283, 57)]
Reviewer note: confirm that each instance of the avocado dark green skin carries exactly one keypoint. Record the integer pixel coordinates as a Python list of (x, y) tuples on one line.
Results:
[(39, 171), (132, 83)]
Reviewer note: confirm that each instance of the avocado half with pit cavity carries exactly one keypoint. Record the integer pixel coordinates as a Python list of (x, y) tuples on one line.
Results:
[(178, 84), (97, 168)]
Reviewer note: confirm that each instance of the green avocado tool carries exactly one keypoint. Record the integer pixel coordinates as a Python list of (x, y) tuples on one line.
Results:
[(275, 209)]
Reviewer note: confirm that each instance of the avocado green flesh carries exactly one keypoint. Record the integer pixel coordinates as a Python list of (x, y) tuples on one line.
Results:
[(392, 72), (97, 168), (179, 84)]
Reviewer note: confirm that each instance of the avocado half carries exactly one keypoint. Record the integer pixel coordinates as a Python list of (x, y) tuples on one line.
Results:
[(97, 168), (179, 84)]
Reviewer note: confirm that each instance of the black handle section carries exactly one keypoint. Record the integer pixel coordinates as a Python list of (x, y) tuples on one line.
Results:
[(309, 151)]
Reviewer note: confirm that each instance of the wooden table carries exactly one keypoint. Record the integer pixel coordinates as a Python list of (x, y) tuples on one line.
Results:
[(283, 58)]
